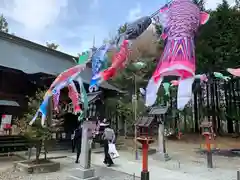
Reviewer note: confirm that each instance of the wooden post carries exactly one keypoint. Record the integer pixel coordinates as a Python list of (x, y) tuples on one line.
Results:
[(145, 172), (145, 157), (209, 153)]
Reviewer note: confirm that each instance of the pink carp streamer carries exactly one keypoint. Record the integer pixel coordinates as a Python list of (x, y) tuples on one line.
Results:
[(202, 77), (181, 20), (235, 72), (74, 96)]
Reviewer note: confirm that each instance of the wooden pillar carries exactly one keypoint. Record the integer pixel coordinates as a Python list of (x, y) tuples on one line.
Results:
[(145, 172)]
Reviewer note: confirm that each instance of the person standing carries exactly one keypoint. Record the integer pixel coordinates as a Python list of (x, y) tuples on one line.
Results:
[(78, 141), (108, 137)]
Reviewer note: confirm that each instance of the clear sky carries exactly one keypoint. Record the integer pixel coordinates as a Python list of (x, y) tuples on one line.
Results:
[(73, 23)]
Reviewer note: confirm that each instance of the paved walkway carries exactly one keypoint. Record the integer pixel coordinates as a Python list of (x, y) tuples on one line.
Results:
[(129, 166), (67, 164), (171, 170)]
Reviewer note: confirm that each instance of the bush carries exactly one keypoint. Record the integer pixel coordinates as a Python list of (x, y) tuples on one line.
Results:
[(38, 136)]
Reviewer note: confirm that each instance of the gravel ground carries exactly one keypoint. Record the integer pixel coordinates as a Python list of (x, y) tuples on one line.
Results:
[(66, 164)]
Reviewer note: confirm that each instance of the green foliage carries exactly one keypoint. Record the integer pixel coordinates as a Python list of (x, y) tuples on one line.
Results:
[(125, 108), (218, 45), (200, 4), (36, 134), (122, 29), (217, 48), (52, 45), (237, 4), (3, 24)]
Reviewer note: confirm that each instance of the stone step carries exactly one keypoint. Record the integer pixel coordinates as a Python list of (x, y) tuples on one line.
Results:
[(80, 174), (76, 178)]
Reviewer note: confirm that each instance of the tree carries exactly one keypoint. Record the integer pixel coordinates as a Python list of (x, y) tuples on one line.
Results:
[(200, 4), (126, 80), (122, 28), (218, 44), (39, 136), (52, 45), (217, 48), (3, 24), (237, 4)]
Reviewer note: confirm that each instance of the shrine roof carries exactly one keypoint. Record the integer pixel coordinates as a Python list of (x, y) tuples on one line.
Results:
[(158, 110), (35, 59), (144, 121)]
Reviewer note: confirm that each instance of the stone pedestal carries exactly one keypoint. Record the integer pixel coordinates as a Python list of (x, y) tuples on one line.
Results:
[(85, 171), (161, 156), (151, 151), (85, 153), (81, 174), (161, 153)]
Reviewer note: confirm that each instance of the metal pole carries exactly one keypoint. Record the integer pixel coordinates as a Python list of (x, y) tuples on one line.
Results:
[(135, 116), (209, 153), (238, 175)]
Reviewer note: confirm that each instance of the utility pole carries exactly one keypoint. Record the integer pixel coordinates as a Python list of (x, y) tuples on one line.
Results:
[(135, 116)]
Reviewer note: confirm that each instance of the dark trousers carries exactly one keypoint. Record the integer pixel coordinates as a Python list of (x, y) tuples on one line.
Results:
[(107, 158), (73, 145), (78, 146)]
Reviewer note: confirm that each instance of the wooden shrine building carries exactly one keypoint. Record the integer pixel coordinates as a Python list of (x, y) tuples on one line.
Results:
[(25, 66)]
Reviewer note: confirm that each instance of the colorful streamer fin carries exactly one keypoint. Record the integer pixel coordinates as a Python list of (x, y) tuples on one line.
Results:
[(83, 97), (43, 110), (73, 95)]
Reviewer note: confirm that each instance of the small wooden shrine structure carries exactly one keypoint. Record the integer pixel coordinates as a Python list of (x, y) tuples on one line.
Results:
[(159, 112)]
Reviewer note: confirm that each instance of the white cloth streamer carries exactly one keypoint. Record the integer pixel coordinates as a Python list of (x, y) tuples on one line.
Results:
[(184, 92)]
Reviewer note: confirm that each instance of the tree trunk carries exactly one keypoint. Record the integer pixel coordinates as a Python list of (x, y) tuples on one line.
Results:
[(45, 149), (195, 111), (237, 126), (49, 113), (38, 151), (208, 103), (185, 122), (217, 91), (228, 107), (213, 107)]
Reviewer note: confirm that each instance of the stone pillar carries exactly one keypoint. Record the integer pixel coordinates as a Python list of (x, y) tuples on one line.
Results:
[(161, 141), (161, 152), (85, 171)]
